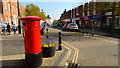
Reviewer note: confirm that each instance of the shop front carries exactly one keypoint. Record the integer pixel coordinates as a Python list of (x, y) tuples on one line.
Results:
[(85, 22), (97, 19)]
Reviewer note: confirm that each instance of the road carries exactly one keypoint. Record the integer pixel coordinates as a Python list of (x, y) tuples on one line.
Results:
[(93, 51), (84, 50)]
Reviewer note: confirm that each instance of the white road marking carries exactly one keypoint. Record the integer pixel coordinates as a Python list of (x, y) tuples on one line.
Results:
[(66, 56), (76, 52), (12, 57)]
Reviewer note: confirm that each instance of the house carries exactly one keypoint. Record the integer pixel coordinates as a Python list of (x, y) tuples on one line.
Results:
[(9, 11)]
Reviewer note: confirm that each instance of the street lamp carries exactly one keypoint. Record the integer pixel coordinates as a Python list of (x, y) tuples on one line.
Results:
[(19, 26)]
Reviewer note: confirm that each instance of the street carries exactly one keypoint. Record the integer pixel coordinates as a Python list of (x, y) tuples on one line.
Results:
[(65, 34), (93, 50), (77, 48)]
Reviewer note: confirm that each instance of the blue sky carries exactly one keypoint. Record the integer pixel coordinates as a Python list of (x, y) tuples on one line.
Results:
[(54, 9)]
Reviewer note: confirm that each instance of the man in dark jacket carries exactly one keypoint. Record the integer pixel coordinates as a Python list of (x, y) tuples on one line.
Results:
[(19, 28), (8, 29)]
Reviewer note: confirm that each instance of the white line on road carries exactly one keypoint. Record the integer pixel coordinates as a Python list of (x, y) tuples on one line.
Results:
[(12, 57), (66, 56), (76, 52)]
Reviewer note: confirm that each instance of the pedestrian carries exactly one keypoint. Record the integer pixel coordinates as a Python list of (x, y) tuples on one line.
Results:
[(14, 28), (4, 28), (47, 33), (19, 28), (8, 29), (93, 28)]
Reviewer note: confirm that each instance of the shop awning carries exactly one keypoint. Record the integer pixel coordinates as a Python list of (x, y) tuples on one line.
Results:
[(65, 21), (85, 18), (95, 17)]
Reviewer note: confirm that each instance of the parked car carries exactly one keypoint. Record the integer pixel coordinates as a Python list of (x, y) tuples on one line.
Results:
[(70, 26), (65, 26), (55, 25)]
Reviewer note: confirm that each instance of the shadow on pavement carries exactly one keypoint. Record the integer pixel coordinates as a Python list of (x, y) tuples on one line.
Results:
[(14, 63), (115, 34)]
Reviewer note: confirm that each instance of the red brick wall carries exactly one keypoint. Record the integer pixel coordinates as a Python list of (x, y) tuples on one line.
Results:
[(80, 10), (10, 13), (85, 9), (22, 11)]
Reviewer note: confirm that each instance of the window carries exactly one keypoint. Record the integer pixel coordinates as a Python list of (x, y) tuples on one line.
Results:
[(0, 18), (12, 8), (5, 4), (7, 19), (117, 22), (8, 6), (109, 21)]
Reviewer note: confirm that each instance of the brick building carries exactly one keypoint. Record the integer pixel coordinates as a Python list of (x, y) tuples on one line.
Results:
[(80, 10), (22, 10), (9, 11)]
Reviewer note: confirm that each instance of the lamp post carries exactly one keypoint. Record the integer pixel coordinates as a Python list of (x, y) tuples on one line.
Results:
[(19, 26)]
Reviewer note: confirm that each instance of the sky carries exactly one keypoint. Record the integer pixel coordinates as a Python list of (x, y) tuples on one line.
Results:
[(54, 8)]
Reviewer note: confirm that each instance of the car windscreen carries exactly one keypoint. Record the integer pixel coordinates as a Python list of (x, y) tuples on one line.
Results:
[(72, 24)]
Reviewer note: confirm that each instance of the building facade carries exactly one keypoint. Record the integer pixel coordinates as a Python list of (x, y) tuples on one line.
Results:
[(9, 11), (93, 12)]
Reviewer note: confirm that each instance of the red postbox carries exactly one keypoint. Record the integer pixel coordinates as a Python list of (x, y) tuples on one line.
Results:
[(32, 40)]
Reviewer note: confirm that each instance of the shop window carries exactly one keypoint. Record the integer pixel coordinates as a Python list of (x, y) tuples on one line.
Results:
[(109, 21), (117, 22)]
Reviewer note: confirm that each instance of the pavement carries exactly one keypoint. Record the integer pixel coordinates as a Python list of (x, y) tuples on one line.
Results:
[(13, 52), (101, 32)]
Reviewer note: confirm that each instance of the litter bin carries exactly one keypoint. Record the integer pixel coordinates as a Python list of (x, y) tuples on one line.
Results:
[(48, 50)]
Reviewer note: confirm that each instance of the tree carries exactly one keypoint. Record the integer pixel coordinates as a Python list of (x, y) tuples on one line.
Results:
[(43, 16), (55, 22), (32, 10)]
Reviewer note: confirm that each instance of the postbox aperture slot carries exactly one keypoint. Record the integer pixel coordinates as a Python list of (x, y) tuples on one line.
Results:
[(36, 24)]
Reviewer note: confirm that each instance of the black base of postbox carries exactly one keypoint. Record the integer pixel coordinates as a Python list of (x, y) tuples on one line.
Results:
[(48, 51), (33, 60)]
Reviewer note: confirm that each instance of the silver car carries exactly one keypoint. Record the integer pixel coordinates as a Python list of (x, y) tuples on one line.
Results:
[(72, 26)]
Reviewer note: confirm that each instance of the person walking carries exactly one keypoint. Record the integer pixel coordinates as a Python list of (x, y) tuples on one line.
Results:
[(8, 29), (14, 28), (19, 28), (93, 28), (4, 28)]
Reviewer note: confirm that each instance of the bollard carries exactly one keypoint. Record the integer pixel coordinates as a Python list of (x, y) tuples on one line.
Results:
[(32, 41), (59, 42), (47, 33)]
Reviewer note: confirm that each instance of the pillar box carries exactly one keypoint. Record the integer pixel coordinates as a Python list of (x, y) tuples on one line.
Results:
[(32, 40)]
